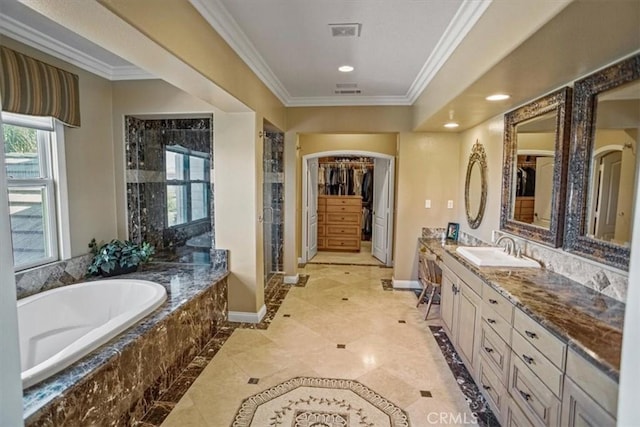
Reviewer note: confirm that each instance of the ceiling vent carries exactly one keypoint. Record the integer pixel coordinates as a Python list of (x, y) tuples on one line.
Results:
[(345, 30), (348, 92)]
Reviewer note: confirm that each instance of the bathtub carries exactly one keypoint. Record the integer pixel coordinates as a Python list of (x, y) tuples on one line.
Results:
[(60, 326)]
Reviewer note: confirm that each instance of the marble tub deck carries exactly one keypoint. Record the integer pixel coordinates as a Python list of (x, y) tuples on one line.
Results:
[(590, 322), (203, 288)]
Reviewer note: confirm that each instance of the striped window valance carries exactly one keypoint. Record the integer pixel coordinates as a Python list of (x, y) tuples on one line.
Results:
[(35, 88)]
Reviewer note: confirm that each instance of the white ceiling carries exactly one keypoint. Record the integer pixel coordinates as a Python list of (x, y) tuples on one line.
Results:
[(288, 44), (31, 28)]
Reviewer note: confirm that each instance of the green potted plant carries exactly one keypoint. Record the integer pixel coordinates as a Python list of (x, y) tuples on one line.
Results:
[(118, 257)]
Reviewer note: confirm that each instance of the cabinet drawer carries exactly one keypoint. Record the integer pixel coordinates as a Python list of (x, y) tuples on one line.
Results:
[(340, 230), (463, 273), (339, 243), (592, 380), (514, 416), (499, 303), (321, 217), (492, 387), (345, 208), (579, 409), (344, 201), (495, 351), (497, 323), (541, 366), (322, 230), (532, 396), (540, 338), (343, 218), (321, 243), (322, 202)]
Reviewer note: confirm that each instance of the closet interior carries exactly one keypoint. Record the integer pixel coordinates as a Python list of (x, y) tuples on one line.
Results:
[(525, 189), (345, 202)]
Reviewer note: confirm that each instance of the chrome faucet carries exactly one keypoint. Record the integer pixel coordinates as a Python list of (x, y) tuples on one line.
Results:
[(511, 247)]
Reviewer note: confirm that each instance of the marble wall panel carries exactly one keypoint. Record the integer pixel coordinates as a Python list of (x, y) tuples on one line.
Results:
[(51, 276)]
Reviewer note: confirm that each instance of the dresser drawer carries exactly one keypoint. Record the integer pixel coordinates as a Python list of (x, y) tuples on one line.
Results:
[(343, 218), (322, 244), (499, 303), (495, 351), (322, 202), (344, 208), (340, 243), (540, 405), (321, 217), (343, 230), (322, 230), (551, 376), (540, 338), (344, 201), (497, 323), (492, 387)]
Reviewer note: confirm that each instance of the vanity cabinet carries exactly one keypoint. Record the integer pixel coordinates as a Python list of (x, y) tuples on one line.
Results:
[(460, 309)]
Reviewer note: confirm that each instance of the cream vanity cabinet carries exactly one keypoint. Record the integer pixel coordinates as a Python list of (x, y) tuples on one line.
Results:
[(460, 308)]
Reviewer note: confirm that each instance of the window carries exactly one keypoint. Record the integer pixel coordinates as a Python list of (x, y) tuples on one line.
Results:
[(187, 186), (30, 165)]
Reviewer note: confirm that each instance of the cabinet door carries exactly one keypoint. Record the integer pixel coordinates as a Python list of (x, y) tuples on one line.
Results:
[(580, 410), (469, 323), (447, 300)]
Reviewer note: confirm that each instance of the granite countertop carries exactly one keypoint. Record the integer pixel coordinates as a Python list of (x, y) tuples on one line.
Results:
[(182, 281), (589, 322)]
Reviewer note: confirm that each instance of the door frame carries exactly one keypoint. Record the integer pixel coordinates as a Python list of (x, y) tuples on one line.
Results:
[(392, 178)]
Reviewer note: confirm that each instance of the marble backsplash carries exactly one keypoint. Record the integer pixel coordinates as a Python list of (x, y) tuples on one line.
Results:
[(606, 280), (50, 276)]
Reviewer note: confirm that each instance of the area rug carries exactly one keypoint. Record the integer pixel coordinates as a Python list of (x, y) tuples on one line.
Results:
[(319, 402)]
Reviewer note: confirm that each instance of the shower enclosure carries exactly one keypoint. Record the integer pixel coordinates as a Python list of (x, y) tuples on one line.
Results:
[(273, 205)]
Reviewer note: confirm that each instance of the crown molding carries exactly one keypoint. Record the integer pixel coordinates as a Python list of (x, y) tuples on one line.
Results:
[(214, 12), (341, 101), (31, 37), (464, 19)]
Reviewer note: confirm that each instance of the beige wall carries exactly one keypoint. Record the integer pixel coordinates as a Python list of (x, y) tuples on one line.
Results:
[(490, 135), (428, 166), (89, 157), (310, 143), (537, 141)]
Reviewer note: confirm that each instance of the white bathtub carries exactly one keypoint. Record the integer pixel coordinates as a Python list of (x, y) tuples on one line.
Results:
[(60, 326)]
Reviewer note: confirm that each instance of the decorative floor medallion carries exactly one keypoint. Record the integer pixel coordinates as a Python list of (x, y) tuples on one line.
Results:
[(319, 402)]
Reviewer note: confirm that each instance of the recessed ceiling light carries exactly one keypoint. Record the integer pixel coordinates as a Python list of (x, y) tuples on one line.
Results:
[(451, 125), (498, 97), (345, 68)]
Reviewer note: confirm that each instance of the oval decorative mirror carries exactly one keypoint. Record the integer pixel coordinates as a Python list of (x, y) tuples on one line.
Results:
[(475, 188), (536, 145), (604, 164)]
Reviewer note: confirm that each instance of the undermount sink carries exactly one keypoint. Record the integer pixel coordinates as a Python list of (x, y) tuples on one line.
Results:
[(494, 257)]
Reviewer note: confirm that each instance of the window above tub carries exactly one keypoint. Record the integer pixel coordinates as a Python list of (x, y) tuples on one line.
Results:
[(34, 165)]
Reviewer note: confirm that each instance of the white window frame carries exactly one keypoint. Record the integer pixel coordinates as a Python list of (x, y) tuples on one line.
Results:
[(54, 180), (187, 182)]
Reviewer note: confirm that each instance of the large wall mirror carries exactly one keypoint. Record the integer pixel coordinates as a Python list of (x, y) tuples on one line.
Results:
[(604, 164), (536, 141), (475, 188)]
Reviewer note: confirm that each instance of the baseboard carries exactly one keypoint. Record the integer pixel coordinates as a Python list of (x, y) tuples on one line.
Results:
[(291, 280), (406, 284), (300, 260), (247, 317)]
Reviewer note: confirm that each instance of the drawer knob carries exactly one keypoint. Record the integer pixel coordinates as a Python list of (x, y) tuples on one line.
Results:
[(492, 301), (525, 396), (491, 321), (342, 243), (488, 349), (486, 387), (531, 335), (527, 359)]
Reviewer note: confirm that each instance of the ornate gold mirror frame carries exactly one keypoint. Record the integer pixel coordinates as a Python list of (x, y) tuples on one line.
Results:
[(477, 158)]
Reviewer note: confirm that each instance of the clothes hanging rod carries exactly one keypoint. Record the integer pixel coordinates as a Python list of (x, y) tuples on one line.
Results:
[(346, 163)]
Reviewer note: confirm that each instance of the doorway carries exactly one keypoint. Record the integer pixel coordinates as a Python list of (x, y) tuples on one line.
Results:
[(347, 207)]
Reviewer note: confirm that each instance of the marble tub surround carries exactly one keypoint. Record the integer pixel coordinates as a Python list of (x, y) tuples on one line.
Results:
[(145, 149), (590, 322), (50, 276), (118, 381)]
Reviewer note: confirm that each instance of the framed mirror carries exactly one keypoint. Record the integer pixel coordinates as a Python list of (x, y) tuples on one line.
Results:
[(534, 181), (475, 187), (604, 164)]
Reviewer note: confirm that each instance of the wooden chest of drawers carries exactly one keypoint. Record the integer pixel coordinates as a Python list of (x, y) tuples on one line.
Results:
[(339, 223)]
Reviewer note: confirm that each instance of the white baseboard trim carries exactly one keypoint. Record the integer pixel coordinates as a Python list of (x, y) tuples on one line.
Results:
[(291, 280), (300, 261), (248, 317), (406, 284)]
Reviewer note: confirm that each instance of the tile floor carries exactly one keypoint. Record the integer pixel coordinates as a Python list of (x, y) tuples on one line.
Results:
[(342, 324), (363, 257)]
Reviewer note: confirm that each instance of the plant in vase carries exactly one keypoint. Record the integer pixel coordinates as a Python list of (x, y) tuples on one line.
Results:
[(118, 257)]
